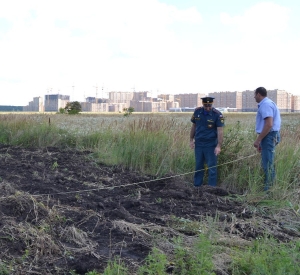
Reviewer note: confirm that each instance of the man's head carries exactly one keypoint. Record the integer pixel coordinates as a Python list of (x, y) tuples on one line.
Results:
[(207, 102), (260, 93)]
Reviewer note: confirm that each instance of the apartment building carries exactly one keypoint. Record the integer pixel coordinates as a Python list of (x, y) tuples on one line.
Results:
[(172, 105), (140, 101), (142, 96), (248, 102), (117, 107), (166, 97), (97, 100), (282, 99), (36, 105), (143, 102), (158, 106), (227, 100), (54, 102), (148, 106), (189, 100), (296, 103), (94, 107), (120, 97)]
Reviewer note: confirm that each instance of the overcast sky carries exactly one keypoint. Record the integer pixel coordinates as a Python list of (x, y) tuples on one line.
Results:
[(78, 48)]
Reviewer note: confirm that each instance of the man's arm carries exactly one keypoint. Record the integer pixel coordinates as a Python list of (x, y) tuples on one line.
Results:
[(192, 136), (267, 128), (220, 140)]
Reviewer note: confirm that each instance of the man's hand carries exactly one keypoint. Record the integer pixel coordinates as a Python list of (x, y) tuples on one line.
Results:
[(256, 143), (217, 150), (192, 144)]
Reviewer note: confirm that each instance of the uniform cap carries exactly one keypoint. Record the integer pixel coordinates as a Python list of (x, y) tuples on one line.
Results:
[(207, 99)]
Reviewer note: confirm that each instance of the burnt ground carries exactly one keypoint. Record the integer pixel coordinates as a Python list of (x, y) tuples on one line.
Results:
[(60, 211)]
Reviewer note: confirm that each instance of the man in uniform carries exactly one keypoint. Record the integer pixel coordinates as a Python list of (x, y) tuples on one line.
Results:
[(206, 137), (268, 122)]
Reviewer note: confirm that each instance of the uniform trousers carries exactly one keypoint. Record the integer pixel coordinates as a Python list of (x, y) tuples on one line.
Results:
[(205, 155)]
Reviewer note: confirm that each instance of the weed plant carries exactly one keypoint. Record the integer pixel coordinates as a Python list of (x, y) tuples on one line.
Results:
[(196, 260), (267, 257), (3, 269), (156, 263), (115, 267)]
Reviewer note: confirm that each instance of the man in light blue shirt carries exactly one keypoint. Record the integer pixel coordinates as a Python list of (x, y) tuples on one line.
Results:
[(268, 123)]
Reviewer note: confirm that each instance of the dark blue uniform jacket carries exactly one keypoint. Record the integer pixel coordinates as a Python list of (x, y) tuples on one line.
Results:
[(206, 133)]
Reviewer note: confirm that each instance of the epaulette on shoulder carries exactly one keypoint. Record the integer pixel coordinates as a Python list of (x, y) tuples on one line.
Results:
[(198, 108), (216, 111)]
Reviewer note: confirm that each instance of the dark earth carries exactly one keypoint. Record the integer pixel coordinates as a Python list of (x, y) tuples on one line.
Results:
[(61, 211)]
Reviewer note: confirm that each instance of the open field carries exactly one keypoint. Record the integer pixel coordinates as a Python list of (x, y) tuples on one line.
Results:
[(105, 194)]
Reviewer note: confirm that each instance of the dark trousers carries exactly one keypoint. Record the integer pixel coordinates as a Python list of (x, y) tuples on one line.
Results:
[(268, 144), (205, 155)]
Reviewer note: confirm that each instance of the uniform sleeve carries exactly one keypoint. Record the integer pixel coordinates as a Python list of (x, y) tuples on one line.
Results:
[(220, 120), (193, 118)]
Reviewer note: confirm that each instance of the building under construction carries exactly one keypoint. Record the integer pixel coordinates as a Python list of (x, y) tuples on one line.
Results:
[(54, 102), (36, 105), (120, 97)]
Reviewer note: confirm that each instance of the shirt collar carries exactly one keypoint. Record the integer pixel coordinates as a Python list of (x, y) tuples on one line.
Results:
[(262, 101), (206, 113)]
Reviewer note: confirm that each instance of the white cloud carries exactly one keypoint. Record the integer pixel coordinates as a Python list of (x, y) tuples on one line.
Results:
[(261, 52), (145, 44), (120, 43), (263, 19)]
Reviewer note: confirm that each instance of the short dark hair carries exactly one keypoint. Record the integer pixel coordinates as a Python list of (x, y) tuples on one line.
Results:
[(261, 90)]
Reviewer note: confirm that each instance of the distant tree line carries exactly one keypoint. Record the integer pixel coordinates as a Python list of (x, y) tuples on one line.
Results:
[(8, 108)]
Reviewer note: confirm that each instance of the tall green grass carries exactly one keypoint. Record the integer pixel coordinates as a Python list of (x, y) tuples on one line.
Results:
[(158, 144), (267, 257)]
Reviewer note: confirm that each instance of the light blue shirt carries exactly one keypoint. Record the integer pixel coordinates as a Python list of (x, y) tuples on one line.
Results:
[(267, 108)]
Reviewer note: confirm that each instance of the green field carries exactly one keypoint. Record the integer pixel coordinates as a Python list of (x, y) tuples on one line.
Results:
[(158, 145)]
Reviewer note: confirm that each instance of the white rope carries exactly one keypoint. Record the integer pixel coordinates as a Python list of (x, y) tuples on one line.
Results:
[(137, 183)]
